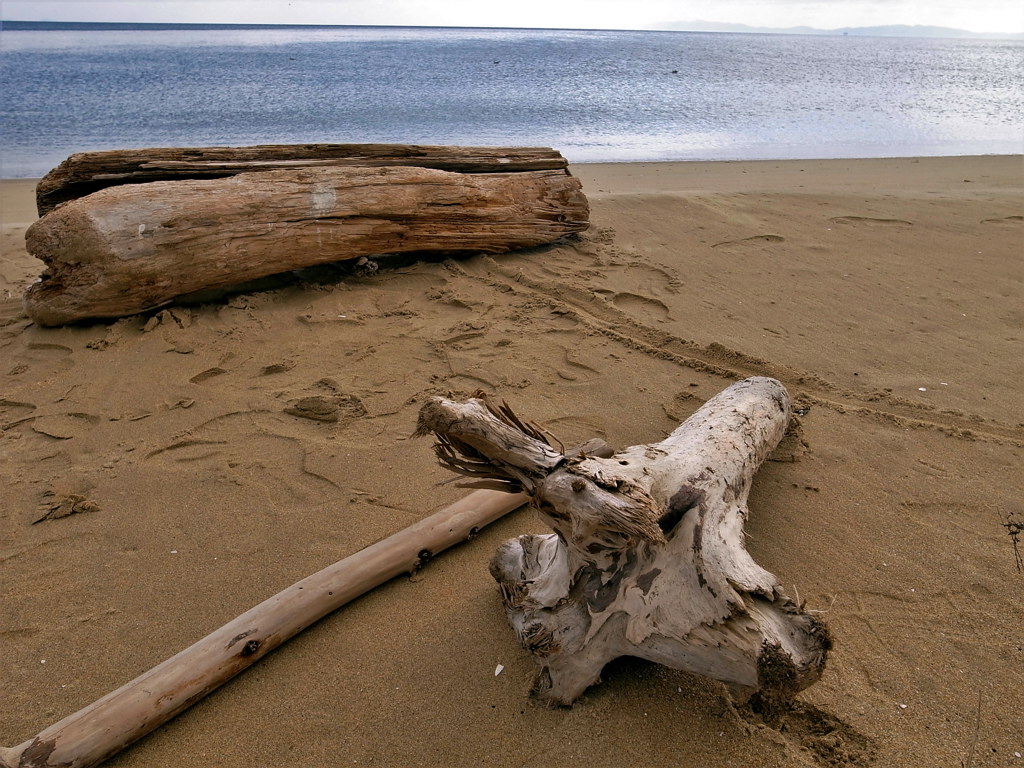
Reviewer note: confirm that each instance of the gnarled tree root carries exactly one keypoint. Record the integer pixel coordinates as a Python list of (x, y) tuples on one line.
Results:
[(647, 558)]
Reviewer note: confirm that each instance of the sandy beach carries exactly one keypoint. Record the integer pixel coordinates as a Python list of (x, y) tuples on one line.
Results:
[(887, 295)]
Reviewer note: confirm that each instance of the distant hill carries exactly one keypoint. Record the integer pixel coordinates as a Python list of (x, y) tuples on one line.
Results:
[(894, 30), (109, 26), (891, 30)]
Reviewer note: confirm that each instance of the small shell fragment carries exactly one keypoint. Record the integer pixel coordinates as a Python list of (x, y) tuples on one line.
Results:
[(498, 669)]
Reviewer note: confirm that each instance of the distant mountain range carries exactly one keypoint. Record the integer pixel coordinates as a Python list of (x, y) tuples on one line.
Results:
[(893, 30), (71, 26)]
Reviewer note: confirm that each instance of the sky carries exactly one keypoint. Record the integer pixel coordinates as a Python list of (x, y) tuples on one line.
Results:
[(1005, 16)]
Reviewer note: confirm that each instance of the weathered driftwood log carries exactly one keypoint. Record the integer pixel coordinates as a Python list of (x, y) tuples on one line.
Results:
[(648, 557), (127, 249), (87, 172)]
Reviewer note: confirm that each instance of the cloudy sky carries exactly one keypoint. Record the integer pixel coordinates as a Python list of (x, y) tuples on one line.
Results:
[(974, 15)]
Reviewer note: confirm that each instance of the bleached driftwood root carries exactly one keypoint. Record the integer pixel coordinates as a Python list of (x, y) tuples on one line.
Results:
[(648, 557)]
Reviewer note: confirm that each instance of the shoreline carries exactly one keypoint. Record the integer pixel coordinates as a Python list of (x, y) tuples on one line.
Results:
[(35, 25), (885, 294), (753, 162), (822, 165)]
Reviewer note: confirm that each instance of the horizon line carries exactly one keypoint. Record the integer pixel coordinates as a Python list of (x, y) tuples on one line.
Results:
[(742, 28)]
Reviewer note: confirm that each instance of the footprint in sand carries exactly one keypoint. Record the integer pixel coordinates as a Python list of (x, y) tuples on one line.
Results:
[(12, 314), (64, 426), (575, 428), (13, 405), (633, 278), (190, 449), (829, 740), (575, 370), (49, 347), (871, 221), (748, 242), (393, 289), (641, 307), (209, 373), (254, 448), (329, 404), (650, 280), (1005, 221), (275, 368), (331, 408), (46, 353), (896, 623), (682, 406)]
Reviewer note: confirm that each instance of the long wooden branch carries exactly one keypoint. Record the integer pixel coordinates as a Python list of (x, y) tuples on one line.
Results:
[(648, 556), (105, 727), (87, 172)]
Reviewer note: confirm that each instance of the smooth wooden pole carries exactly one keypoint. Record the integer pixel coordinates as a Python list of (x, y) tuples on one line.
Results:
[(105, 727)]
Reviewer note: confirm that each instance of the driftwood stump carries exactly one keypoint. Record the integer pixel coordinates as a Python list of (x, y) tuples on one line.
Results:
[(648, 557), (130, 248)]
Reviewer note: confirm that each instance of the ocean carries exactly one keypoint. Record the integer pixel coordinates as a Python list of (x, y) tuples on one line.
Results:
[(595, 96)]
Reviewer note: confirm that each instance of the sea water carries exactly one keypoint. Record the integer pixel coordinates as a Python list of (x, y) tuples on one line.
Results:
[(596, 96)]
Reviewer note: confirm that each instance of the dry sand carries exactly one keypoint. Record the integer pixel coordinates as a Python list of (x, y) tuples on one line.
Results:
[(886, 294)]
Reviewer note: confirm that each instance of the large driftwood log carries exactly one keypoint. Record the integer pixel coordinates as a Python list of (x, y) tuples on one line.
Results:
[(648, 557), (127, 249), (87, 172)]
